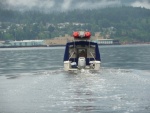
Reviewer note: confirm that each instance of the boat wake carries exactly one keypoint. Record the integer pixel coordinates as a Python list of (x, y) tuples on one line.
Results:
[(111, 90)]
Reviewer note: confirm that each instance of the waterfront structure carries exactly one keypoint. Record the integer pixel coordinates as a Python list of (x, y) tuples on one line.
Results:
[(107, 42), (23, 43)]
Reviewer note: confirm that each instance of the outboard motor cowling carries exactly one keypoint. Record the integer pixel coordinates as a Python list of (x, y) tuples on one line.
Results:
[(81, 62)]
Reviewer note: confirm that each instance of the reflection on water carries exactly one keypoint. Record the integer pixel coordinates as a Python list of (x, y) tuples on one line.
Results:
[(80, 87)]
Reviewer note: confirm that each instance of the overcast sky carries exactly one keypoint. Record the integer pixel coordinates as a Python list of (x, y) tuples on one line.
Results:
[(65, 5)]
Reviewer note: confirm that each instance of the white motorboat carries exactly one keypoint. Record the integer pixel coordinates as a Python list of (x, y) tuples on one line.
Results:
[(82, 53)]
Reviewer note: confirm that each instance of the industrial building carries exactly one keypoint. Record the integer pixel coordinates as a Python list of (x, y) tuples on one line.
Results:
[(24, 43), (107, 42)]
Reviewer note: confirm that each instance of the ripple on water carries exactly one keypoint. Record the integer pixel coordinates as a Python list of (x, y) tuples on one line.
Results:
[(109, 90)]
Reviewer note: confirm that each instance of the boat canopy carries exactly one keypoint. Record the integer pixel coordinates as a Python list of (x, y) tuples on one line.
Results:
[(82, 44)]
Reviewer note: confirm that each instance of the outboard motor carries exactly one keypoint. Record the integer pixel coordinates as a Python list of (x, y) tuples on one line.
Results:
[(81, 62)]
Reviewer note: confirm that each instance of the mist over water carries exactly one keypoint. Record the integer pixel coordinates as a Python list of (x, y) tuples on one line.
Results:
[(67, 5), (32, 80)]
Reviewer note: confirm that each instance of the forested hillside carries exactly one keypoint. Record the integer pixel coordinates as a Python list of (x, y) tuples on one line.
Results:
[(123, 23)]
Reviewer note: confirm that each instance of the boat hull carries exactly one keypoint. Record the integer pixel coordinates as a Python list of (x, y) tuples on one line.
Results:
[(94, 65)]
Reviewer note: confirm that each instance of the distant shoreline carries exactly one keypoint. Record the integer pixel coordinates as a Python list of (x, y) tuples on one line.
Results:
[(31, 46), (64, 45)]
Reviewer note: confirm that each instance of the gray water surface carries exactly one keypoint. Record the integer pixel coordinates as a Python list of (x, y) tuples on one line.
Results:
[(32, 80)]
